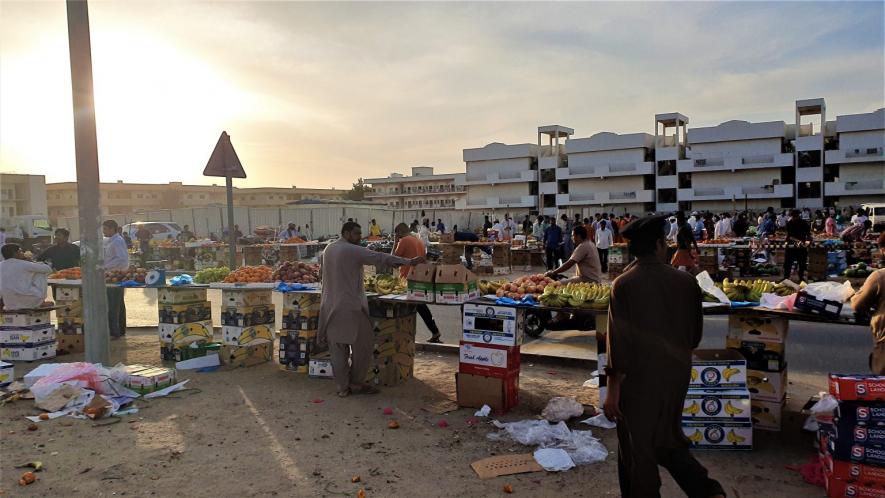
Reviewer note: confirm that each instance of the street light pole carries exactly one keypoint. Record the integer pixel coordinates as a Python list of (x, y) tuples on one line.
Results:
[(95, 300)]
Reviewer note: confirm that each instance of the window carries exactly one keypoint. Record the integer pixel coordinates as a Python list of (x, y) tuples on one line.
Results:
[(809, 159), (666, 168)]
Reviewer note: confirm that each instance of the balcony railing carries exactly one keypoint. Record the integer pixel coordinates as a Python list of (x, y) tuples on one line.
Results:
[(703, 163), (877, 151)]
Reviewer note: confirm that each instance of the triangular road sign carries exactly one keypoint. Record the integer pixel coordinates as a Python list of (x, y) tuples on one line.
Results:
[(224, 161)]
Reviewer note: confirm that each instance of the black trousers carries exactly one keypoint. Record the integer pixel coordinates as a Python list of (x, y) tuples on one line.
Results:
[(552, 258), (603, 259), (795, 255), (116, 312), (427, 316)]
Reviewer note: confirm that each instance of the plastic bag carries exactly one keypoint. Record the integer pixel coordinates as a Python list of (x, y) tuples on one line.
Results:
[(832, 291), (775, 302), (183, 279), (561, 408), (84, 375), (553, 460), (531, 432), (707, 285), (600, 421)]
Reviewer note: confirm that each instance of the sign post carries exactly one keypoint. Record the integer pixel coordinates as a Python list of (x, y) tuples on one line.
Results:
[(224, 162)]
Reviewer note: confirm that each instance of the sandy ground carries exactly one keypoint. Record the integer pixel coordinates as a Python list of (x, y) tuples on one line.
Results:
[(257, 432)]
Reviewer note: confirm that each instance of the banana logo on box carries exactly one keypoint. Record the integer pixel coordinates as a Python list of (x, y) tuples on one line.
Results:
[(191, 332), (250, 335)]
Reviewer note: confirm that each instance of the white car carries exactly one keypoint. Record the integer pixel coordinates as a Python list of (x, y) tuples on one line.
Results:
[(160, 230)]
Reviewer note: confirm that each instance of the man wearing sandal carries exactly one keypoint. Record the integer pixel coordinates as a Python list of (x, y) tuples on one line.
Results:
[(344, 313)]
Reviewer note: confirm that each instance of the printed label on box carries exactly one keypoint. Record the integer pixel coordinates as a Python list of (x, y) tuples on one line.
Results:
[(716, 404)]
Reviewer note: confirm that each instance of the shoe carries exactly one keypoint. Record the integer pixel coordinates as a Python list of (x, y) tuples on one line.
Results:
[(434, 339), (364, 389), (343, 394)]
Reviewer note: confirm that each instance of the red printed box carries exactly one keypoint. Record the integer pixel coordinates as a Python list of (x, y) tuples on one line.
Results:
[(488, 359), (501, 394), (851, 471), (838, 488), (857, 387)]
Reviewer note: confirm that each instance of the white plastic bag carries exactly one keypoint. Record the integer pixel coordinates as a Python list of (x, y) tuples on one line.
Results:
[(707, 285), (832, 291), (600, 421), (775, 302), (553, 459), (531, 432), (561, 408)]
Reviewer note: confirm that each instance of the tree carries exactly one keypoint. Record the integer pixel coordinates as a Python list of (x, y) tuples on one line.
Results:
[(358, 192)]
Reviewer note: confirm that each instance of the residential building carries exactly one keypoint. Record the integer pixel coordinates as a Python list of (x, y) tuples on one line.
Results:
[(422, 190), (808, 151), (854, 171), (280, 196), (669, 148), (22, 195), (552, 161), (500, 177)]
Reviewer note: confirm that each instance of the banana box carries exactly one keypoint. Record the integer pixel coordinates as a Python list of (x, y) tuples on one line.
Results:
[(767, 386), (242, 336), (718, 369), (66, 293), (760, 355), (186, 333), (70, 309), (181, 295), (185, 313), (69, 343), (292, 320), (307, 303), (760, 328), (454, 284), (768, 415), (246, 356), (28, 352), (145, 379), (7, 373), (716, 404), (24, 319), (719, 435), (295, 352), (71, 326), (387, 309), (195, 351), (27, 335), (760, 339), (420, 283), (246, 316), (244, 297), (320, 366)]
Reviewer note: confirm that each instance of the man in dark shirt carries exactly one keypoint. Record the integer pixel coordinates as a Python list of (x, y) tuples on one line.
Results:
[(63, 254), (486, 226), (798, 233), (552, 243), (465, 236), (741, 225)]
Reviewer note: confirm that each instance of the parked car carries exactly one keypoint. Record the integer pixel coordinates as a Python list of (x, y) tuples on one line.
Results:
[(160, 230)]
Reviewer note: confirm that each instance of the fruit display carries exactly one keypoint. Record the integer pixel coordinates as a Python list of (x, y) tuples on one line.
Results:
[(532, 285), (67, 274), (210, 275), (577, 295), (490, 286), (766, 269), (385, 284), (297, 272), (169, 243), (860, 270), (716, 242), (751, 290), (117, 276), (249, 274), (294, 240)]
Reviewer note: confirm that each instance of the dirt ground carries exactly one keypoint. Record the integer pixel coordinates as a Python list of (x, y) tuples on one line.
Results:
[(259, 432)]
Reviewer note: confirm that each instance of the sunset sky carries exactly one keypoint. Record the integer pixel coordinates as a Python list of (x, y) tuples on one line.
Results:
[(318, 94)]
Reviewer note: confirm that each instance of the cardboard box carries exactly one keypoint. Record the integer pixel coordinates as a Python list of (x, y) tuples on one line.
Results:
[(488, 360), (295, 351), (320, 366), (768, 415), (850, 471), (7, 373), (69, 344), (304, 302), (499, 325), (185, 313), (823, 307), (27, 335), (767, 386), (850, 451), (68, 327), (474, 391), (759, 328), (190, 352), (145, 379), (70, 309), (65, 293), (181, 295), (293, 321), (420, 283), (24, 319), (246, 356), (186, 333), (246, 316), (838, 488), (167, 352), (724, 435), (242, 336), (246, 297), (454, 284), (845, 387), (387, 309), (863, 413), (716, 404), (760, 355), (447, 238), (718, 369)]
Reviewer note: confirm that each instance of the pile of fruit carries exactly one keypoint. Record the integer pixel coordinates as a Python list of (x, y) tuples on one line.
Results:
[(531, 285), (859, 270), (295, 240), (766, 269), (249, 274), (210, 275), (716, 241), (385, 284), (297, 272), (577, 295), (751, 290), (117, 276), (68, 274), (490, 286)]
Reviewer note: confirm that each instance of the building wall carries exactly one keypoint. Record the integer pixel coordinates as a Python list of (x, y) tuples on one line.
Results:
[(501, 190), (479, 169), (613, 184), (736, 148), (744, 178), (606, 157), (737, 205), (861, 172), (862, 139), (22, 195)]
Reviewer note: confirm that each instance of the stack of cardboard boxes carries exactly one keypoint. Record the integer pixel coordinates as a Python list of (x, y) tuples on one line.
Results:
[(444, 284), (762, 342), (246, 342), (716, 412), (817, 263), (298, 335), (393, 358), (489, 361), (26, 335), (852, 443), (185, 323), (618, 257), (69, 318), (450, 254)]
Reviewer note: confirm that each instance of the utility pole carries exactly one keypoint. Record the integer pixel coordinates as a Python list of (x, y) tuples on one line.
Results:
[(95, 299)]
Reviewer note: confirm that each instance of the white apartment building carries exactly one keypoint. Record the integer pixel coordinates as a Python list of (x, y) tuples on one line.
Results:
[(500, 177), (22, 195), (854, 171), (422, 190)]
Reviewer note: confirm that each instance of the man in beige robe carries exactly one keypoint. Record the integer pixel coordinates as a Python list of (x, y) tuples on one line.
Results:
[(344, 314)]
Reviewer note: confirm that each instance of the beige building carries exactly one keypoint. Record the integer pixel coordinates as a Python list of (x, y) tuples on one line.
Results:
[(22, 195), (422, 190), (129, 198)]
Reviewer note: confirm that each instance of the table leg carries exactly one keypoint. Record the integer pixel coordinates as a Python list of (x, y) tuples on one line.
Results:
[(601, 333)]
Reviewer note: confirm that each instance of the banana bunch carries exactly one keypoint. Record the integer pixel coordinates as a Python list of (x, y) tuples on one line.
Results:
[(490, 286), (783, 290), (746, 290), (577, 295), (385, 284)]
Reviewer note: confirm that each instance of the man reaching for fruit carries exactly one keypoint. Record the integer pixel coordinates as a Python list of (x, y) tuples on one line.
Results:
[(344, 312), (649, 366), (585, 256), (408, 246)]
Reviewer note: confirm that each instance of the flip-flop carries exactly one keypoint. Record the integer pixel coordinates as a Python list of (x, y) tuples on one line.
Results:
[(344, 394), (435, 340), (366, 390)]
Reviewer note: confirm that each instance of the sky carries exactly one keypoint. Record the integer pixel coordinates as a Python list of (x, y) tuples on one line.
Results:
[(319, 94)]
